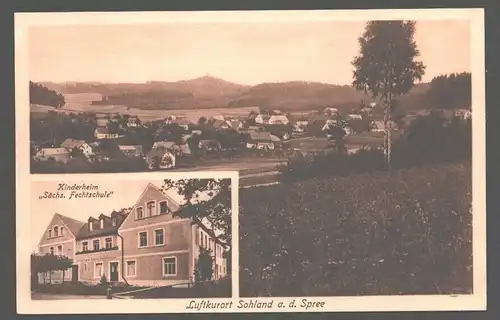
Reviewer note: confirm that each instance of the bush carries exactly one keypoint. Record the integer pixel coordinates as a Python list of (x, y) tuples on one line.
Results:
[(401, 232)]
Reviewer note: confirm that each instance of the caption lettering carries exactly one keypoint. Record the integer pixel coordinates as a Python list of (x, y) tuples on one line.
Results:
[(304, 304), (76, 191)]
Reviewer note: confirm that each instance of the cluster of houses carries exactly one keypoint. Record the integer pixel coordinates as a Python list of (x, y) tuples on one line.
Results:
[(262, 131)]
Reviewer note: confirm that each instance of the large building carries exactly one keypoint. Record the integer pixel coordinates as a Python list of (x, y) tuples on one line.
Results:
[(145, 245)]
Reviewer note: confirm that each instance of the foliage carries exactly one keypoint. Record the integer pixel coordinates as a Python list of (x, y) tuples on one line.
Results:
[(121, 164), (44, 96), (429, 139), (103, 281), (55, 127), (204, 266), (386, 66), (451, 91), (41, 263), (206, 200), (401, 232)]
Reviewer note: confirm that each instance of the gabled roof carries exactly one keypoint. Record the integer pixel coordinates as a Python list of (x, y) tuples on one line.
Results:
[(73, 225), (102, 130), (109, 229), (260, 136), (71, 143)]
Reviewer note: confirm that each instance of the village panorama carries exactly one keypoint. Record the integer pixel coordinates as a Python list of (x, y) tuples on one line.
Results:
[(77, 128)]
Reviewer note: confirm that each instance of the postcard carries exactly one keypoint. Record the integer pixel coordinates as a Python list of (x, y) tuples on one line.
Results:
[(251, 161)]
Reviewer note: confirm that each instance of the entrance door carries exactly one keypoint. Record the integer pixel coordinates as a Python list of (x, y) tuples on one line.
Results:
[(113, 271), (74, 273)]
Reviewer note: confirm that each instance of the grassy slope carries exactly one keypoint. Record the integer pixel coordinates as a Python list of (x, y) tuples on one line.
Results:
[(408, 232)]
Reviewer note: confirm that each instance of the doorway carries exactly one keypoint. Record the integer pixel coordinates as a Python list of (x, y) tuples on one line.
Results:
[(74, 273), (113, 271)]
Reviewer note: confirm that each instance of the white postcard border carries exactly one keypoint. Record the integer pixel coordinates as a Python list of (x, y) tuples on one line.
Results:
[(23, 21)]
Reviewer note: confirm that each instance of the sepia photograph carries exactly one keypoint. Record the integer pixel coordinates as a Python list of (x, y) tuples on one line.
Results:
[(130, 239), (354, 139)]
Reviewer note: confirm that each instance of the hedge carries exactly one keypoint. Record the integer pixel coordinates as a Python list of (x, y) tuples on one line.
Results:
[(402, 232)]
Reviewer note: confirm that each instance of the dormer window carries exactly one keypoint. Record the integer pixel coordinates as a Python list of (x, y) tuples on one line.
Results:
[(56, 231), (113, 221), (61, 230), (91, 225), (50, 233), (102, 223)]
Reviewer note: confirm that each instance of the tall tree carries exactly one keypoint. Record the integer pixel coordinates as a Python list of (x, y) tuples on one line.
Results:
[(387, 66)]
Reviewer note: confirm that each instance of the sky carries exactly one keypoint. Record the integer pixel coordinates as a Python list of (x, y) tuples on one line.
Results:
[(245, 53)]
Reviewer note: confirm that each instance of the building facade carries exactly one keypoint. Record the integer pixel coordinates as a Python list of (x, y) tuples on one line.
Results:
[(144, 246)]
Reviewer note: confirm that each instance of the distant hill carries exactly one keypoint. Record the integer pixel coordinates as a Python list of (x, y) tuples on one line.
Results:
[(211, 92)]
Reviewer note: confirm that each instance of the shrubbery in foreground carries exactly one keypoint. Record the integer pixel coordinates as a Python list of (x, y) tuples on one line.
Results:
[(401, 232)]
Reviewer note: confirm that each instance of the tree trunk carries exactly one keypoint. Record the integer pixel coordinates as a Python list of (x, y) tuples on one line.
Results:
[(50, 276), (388, 131), (63, 276)]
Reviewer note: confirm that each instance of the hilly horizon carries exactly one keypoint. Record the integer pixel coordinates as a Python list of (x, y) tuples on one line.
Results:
[(212, 92)]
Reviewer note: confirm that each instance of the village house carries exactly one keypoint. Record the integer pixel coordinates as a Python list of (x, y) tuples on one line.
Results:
[(463, 114), (354, 116), (102, 122), (378, 125), (131, 150), (330, 111), (144, 246), (262, 141), (160, 158), (262, 118), (278, 119), (177, 149), (133, 122), (62, 155), (80, 145), (103, 133), (221, 125)]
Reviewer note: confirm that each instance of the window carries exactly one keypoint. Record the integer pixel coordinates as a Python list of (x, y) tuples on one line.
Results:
[(163, 207), (170, 266), (159, 238), (131, 269), (143, 239), (85, 246), (50, 233), (56, 231), (52, 250), (91, 225), (98, 271), (62, 231), (85, 266), (109, 243), (59, 249), (151, 208), (96, 244), (139, 213), (113, 221), (102, 223), (201, 239), (206, 241)]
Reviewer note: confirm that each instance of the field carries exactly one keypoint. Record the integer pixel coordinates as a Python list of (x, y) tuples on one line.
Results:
[(81, 102)]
